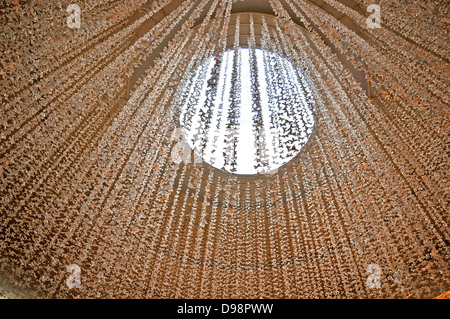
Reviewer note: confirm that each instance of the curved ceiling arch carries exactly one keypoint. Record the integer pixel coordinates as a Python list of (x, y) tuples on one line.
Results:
[(245, 7)]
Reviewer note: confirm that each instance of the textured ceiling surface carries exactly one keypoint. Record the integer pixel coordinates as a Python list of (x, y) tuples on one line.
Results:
[(93, 204), (258, 6)]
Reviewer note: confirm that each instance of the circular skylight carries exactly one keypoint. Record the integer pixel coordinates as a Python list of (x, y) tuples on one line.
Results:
[(246, 128)]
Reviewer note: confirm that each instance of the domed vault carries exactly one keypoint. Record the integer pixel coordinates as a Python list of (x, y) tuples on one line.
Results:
[(98, 201)]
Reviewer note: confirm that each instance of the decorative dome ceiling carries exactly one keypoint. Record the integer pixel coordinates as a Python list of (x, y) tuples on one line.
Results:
[(95, 205)]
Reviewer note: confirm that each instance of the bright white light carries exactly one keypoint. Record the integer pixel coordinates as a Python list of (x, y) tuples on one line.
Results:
[(277, 149)]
